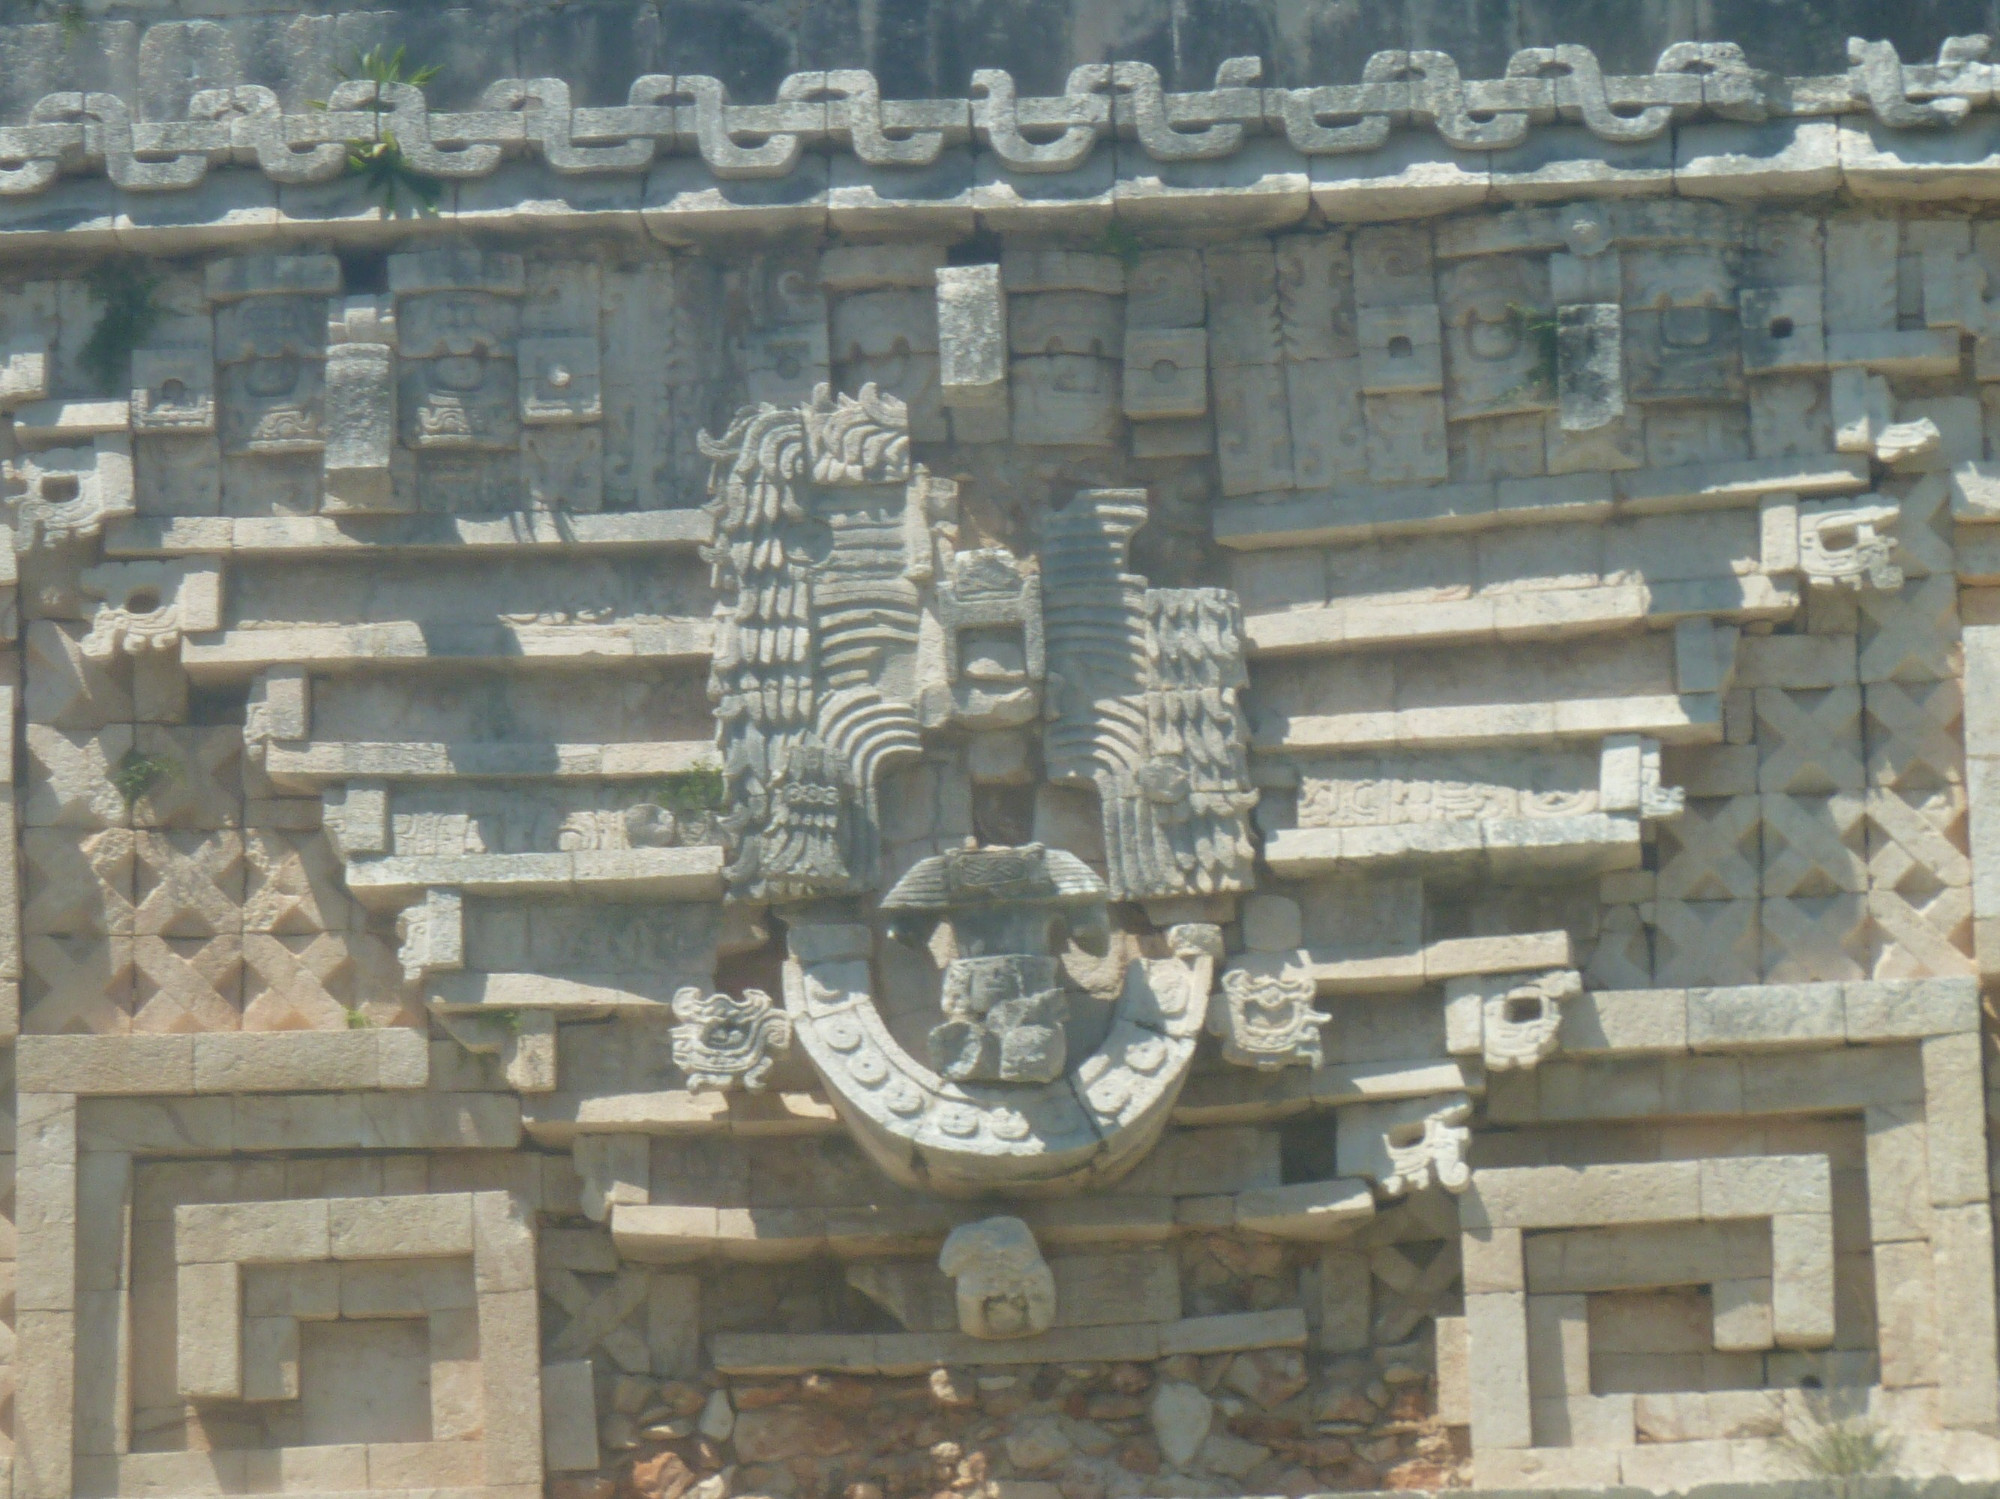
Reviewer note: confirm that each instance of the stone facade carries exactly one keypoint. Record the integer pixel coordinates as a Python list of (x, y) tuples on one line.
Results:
[(1064, 794)]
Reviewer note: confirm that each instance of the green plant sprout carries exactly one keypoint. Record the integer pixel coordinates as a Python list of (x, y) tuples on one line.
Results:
[(388, 174), (1537, 329), (1120, 241), (75, 26), (379, 67), (138, 773), (357, 1020), (130, 314), (380, 162), (1821, 1445), (698, 789)]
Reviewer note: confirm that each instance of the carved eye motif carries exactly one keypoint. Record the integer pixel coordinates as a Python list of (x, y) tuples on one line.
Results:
[(1492, 337), (461, 372), (272, 377)]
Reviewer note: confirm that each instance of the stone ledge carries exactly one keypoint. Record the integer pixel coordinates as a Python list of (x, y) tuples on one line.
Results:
[(774, 1354)]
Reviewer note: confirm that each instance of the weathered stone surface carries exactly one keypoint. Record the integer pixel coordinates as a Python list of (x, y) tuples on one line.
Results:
[(1509, 655)]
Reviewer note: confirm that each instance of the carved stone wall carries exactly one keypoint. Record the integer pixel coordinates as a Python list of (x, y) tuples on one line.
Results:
[(1075, 793)]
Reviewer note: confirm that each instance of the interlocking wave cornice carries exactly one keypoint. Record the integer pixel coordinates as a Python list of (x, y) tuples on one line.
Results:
[(690, 114)]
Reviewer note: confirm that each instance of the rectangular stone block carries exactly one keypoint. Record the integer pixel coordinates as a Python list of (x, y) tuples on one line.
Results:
[(1496, 1324), (1565, 1197), (208, 1315), (1742, 1315), (1633, 1021), (503, 1242), (1765, 1016), (972, 335), (44, 1422), (401, 1227), (1454, 1372), (569, 1414), (105, 1064), (250, 1232), (1345, 1301), (419, 1466), (1648, 1256), (1758, 1186), (1558, 1349), (1968, 1336), (307, 1292), (45, 1220), (1491, 1259), (1910, 1009), (1584, 1421), (1906, 1314), (1899, 1198), (270, 1356), (1305, 1210), (1802, 1279), (1955, 1119), (277, 1061), (510, 1354)]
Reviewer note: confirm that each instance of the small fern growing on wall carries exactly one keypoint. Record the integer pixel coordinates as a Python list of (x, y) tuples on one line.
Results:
[(700, 788), (138, 773), (130, 314)]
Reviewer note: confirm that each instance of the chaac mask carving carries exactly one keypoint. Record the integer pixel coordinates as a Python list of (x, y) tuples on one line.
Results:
[(855, 642)]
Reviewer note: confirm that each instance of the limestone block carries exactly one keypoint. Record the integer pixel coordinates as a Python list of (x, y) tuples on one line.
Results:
[(503, 1240), (458, 1401), (1955, 1120), (1271, 923), (1166, 373), (1558, 1353), (1906, 1314), (615, 1169), (1492, 1259), (105, 1065), (1253, 428), (1559, 1197), (361, 411), (569, 1417), (1064, 399), (1765, 1016), (208, 1313), (1547, 1467), (1305, 1210), (510, 1354), (1406, 438), (362, 1228), (1902, 1010), (250, 1232), (1345, 1304), (1961, 1247), (1328, 434), (1626, 1021), (1584, 1421), (972, 336), (1753, 1186), (1802, 1279), (1743, 1317), (43, 1407), (1899, 1205), (270, 1355), (1496, 1325), (1401, 349), (673, 1324)]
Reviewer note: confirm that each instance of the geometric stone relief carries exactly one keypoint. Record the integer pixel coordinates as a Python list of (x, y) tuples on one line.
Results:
[(1321, 752)]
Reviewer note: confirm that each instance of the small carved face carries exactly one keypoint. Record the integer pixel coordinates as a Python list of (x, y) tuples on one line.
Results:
[(1005, 1312)]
